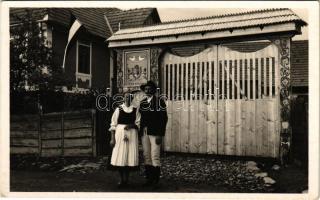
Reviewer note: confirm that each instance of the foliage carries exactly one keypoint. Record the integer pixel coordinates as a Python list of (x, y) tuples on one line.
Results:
[(31, 56)]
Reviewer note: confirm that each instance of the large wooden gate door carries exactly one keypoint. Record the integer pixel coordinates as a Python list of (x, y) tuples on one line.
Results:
[(222, 101)]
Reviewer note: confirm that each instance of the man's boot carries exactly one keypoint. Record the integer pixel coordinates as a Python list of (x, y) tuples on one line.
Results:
[(156, 177), (148, 173)]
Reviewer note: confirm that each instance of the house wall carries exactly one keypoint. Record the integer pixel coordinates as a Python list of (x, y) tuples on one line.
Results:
[(100, 56)]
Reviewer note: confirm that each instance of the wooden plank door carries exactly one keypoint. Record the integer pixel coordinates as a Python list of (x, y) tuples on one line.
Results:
[(190, 86), (248, 109)]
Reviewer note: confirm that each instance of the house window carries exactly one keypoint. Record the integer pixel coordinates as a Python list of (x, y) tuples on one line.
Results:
[(84, 58), (83, 73)]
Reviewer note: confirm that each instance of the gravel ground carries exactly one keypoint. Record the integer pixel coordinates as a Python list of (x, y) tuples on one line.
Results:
[(180, 173)]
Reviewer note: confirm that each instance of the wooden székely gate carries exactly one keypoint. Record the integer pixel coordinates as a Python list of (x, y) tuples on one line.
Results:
[(221, 101)]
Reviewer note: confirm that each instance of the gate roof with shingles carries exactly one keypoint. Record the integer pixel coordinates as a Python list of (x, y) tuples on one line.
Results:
[(91, 18), (213, 23)]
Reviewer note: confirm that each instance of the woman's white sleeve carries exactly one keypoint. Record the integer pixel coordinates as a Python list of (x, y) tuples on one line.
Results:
[(138, 118), (114, 120)]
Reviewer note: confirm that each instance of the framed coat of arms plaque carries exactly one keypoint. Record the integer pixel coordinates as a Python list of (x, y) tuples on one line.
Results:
[(136, 67)]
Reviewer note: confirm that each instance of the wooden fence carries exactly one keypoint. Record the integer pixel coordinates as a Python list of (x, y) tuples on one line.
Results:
[(54, 134)]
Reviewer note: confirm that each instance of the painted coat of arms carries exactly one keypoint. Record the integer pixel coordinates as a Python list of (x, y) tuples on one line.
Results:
[(136, 68)]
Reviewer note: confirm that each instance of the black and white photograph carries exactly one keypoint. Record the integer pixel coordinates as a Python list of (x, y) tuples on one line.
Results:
[(164, 98)]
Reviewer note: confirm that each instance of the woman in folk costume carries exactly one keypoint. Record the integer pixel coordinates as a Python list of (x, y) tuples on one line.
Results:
[(125, 123)]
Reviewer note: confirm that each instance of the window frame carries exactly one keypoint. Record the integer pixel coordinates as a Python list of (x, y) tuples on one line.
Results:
[(80, 74)]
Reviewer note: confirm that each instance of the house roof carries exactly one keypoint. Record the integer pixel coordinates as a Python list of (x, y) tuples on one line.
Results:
[(299, 63), (92, 18), (131, 18), (213, 23)]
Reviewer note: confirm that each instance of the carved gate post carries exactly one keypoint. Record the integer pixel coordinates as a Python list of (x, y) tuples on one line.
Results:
[(119, 71), (155, 53), (284, 47)]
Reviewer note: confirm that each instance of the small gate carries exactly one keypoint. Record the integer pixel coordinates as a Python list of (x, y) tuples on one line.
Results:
[(222, 101)]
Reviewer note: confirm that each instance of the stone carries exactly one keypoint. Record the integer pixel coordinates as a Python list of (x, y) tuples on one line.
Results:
[(262, 174), (268, 180), (275, 167), (252, 168), (45, 166)]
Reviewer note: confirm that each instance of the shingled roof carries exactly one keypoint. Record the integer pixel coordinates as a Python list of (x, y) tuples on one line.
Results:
[(131, 18), (213, 23), (92, 18)]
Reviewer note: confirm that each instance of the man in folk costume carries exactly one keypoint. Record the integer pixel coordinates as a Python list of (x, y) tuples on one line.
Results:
[(153, 125)]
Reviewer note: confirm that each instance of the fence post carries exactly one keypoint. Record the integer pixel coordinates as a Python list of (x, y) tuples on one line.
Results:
[(39, 126), (93, 135), (62, 133)]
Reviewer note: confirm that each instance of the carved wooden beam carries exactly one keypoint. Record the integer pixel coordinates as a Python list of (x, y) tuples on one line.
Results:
[(155, 53), (284, 46), (119, 71)]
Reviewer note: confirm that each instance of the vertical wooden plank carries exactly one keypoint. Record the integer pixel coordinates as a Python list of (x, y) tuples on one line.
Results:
[(200, 78), (184, 111), (270, 77), (39, 135), (196, 138), (202, 114), (243, 67), (169, 126), (93, 138), (232, 66), (221, 102), (182, 81), (227, 58), (265, 94), (205, 90), (244, 127), (169, 81), (211, 123), (258, 127), (265, 138), (253, 75), (178, 78), (248, 76), (177, 110), (187, 79), (187, 105), (259, 74), (169, 108), (193, 113), (253, 106), (210, 81), (258, 124), (238, 75), (223, 75), (196, 80), (238, 109), (62, 133)]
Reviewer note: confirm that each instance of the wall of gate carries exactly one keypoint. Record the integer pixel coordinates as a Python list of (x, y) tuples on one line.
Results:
[(222, 101)]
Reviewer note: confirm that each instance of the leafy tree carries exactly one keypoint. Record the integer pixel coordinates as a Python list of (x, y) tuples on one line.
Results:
[(31, 57)]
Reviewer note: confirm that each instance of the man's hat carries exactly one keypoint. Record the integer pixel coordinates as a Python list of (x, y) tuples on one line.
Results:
[(150, 84)]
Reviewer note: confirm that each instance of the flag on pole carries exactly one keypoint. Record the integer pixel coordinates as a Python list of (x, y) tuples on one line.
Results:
[(73, 30)]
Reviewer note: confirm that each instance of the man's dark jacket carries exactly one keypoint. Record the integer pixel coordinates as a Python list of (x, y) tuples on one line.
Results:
[(154, 116)]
